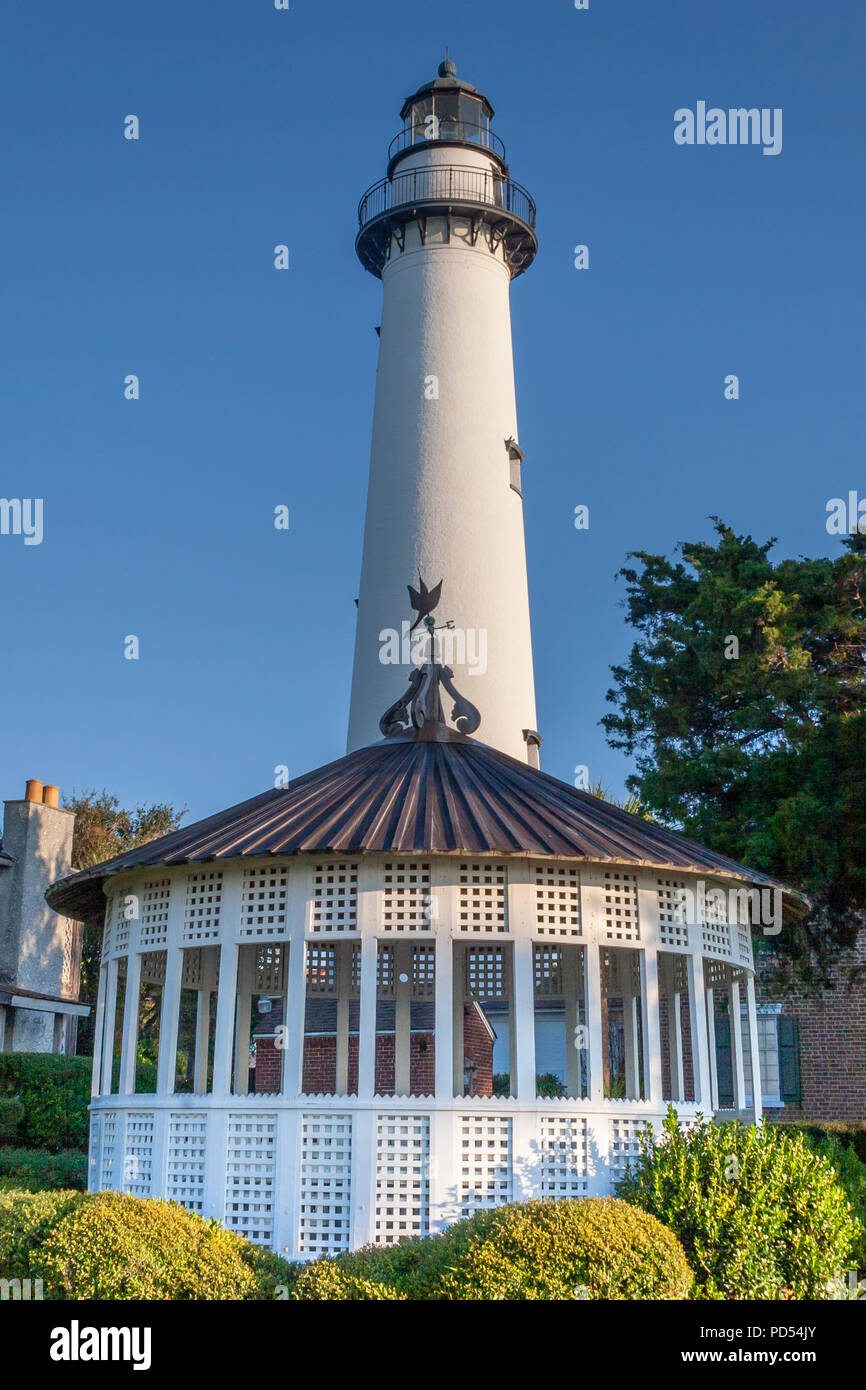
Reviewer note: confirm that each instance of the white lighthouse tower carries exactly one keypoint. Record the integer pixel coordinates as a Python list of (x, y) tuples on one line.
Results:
[(447, 230)]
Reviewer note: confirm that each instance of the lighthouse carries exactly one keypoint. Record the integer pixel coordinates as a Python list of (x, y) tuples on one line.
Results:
[(427, 978), (447, 231)]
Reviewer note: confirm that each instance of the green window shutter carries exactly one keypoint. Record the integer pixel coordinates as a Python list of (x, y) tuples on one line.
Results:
[(789, 1060)]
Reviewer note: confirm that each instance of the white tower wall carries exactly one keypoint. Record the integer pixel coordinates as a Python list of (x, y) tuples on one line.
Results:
[(440, 500)]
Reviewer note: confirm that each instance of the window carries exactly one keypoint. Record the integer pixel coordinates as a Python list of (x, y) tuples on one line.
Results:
[(561, 1058), (778, 1057)]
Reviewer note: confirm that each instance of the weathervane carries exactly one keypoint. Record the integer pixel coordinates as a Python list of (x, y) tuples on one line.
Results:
[(421, 703)]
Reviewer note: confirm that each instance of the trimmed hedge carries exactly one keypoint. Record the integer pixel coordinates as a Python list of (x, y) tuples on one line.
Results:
[(11, 1114), (110, 1245), (34, 1169), (588, 1248), (845, 1135), (759, 1214), (54, 1093)]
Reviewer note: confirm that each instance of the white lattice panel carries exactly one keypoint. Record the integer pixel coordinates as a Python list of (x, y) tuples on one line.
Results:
[(407, 903), (485, 1162), (557, 900), (124, 911), (108, 1165), (263, 902), (250, 1166), (155, 898), (326, 1184), (402, 1177), (563, 1155), (201, 913), (269, 975), (335, 897), (187, 1152), (673, 915), (624, 1146), (621, 921), (483, 897), (486, 972), (138, 1154), (94, 1150), (423, 972), (744, 943), (153, 967), (714, 922), (191, 977)]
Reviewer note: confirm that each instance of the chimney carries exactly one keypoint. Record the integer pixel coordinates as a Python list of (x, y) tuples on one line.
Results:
[(34, 790), (50, 796)]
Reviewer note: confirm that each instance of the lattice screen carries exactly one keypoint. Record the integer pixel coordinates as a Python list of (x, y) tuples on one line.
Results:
[(263, 901), (402, 1177), (483, 898), (547, 971), (563, 1150), (111, 1129), (326, 1184), (485, 1162), (423, 972), (201, 912), (191, 977), (624, 1146), (486, 972), (155, 896), (94, 1150), (744, 943), (124, 911), (250, 1165), (557, 900), (407, 902), (187, 1153), (715, 930), (335, 897), (673, 926), (269, 974), (138, 1154), (322, 969), (153, 967), (621, 921)]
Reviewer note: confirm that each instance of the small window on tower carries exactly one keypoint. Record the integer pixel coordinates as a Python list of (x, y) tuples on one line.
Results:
[(515, 459)]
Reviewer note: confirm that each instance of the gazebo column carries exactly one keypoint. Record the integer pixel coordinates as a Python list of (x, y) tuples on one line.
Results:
[(366, 1021), (110, 1019), (98, 1033), (752, 1015), (458, 998), (294, 1017), (446, 986), (169, 1020), (225, 1014), (653, 1086), (737, 1044), (522, 1021), (126, 1085), (710, 1009), (243, 1009), (630, 1024), (698, 1015), (594, 1022)]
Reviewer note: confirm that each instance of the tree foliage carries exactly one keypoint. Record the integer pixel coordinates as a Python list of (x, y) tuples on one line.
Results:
[(743, 703)]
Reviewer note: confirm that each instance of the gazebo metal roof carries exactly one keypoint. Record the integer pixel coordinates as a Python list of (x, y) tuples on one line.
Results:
[(433, 791)]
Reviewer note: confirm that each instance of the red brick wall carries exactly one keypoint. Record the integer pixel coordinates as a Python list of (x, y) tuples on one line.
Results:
[(832, 1030), (478, 1048), (320, 1062)]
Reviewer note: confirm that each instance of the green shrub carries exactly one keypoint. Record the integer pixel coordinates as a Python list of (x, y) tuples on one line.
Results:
[(846, 1135), (595, 1248), (110, 1245), (851, 1172), (54, 1092), (11, 1113), (34, 1169), (760, 1216)]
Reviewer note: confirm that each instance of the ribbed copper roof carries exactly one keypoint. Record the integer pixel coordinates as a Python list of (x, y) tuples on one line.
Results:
[(435, 792)]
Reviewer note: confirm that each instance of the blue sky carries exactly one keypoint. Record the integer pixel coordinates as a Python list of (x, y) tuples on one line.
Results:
[(156, 257)]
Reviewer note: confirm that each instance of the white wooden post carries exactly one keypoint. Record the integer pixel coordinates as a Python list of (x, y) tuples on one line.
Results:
[(364, 1155), (367, 1023), (592, 916), (225, 1015), (98, 1032), (402, 1017), (243, 1010), (698, 1016), (752, 1012), (458, 995), (444, 1013), (711, 1046), (523, 1023), (652, 1029), (737, 1047), (444, 1162), (130, 1017)]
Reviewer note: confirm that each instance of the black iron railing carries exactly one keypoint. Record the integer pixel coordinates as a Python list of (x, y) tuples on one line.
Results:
[(466, 132), (446, 183)]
